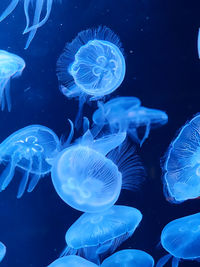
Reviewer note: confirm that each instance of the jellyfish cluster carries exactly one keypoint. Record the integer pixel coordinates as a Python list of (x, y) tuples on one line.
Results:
[(89, 172)]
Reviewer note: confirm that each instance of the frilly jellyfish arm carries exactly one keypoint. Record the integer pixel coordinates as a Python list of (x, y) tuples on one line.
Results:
[(42, 22), (9, 9), (36, 177), (7, 96), (36, 20), (146, 134), (162, 261), (24, 180), (175, 262)]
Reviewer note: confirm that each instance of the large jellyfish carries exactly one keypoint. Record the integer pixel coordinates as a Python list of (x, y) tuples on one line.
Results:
[(39, 6), (11, 66), (88, 180), (95, 235), (181, 169), (126, 114), (129, 258), (73, 261), (2, 251), (181, 238), (32, 150), (91, 66)]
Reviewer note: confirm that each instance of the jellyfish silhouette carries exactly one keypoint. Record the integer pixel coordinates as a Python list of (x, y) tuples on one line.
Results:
[(95, 235), (32, 150), (11, 66), (181, 238), (126, 114), (129, 258), (39, 6), (181, 169), (91, 66), (2, 251), (89, 178), (72, 260)]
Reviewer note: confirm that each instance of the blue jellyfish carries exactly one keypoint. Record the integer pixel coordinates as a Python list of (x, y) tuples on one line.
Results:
[(2, 251), (181, 169), (89, 178), (181, 238), (129, 258), (126, 114), (32, 150), (95, 235), (40, 6), (11, 66), (91, 66), (73, 261)]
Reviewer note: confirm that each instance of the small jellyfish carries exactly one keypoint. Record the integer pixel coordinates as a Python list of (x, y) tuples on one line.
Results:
[(126, 114), (32, 150), (72, 261), (11, 66), (2, 251), (91, 66), (40, 6), (89, 178), (95, 235), (129, 258), (181, 169), (181, 238)]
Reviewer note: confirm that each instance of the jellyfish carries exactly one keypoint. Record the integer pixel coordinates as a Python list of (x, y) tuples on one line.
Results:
[(95, 235), (2, 251), (129, 258), (91, 66), (72, 260), (126, 114), (11, 66), (89, 176), (181, 168), (181, 238), (30, 149), (40, 6)]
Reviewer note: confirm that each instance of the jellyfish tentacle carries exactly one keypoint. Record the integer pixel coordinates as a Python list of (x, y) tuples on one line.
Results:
[(43, 21), (9, 171), (71, 134), (26, 7), (79, 115), (36, 177), (7, 95), (175, 262), (36, 19), (9, 9), (146, 134), (24, 180), (162, 261), (3, 86)]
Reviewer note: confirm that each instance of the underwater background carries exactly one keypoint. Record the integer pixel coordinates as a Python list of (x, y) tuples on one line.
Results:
[(160, 43)]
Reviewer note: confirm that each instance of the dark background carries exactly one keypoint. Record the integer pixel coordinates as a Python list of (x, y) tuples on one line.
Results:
[(160, 42)]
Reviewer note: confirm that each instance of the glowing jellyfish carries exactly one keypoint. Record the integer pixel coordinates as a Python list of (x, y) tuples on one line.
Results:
[(91, 66), (126, 114), (181, 238), (88, 180), (95, 235), (129, 258), (182, 164), (2, 251), (39, 6), (73, 261), (32, 150), (11, 66)]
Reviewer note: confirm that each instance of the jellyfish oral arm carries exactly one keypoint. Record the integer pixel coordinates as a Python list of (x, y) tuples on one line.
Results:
[(162, 261), (9, 9)]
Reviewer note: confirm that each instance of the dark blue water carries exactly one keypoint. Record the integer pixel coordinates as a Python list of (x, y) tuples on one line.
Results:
[(160, 43)]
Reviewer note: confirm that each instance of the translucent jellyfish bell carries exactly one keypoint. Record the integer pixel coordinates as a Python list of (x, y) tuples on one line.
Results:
[(73, 261), (2, 251), (181, 169), (129, 258), (89, 178), (94, 235), (181, 238), (31, 149), (40, 6), (126, 114), (11, 66), (91, 66)]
